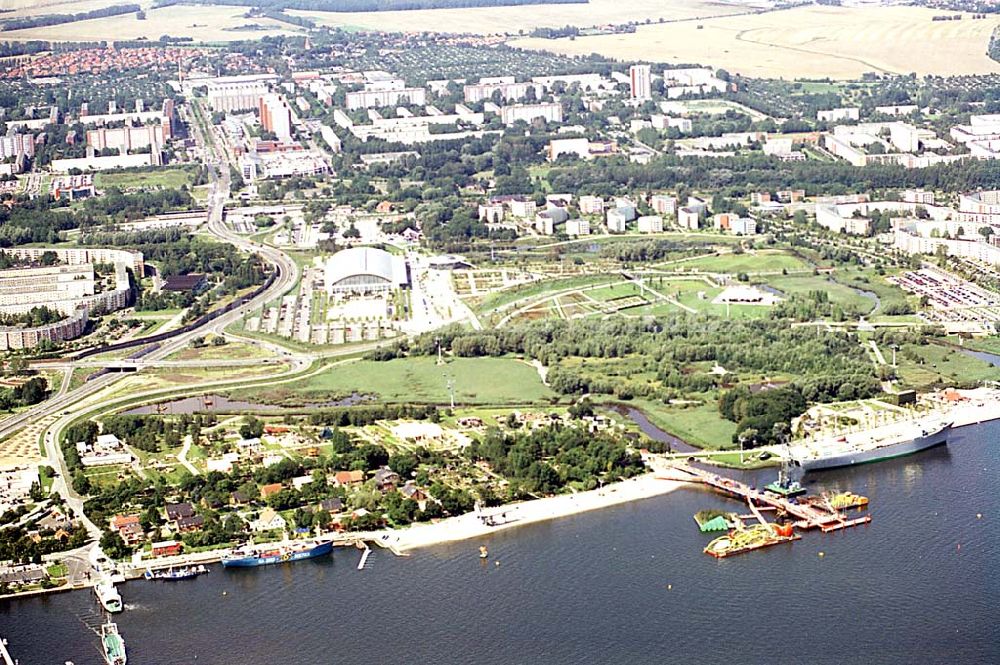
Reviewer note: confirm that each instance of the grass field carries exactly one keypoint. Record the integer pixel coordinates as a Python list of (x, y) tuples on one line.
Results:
[(492, 20), (761, 261), (942, 365), (203, 24), (494, 381), (839, 294), (986, 344), (806, 42), (168, 178), (700, 425), (232, 350)]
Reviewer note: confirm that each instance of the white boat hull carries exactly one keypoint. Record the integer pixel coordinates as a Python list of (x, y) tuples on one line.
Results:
[(877, 454)]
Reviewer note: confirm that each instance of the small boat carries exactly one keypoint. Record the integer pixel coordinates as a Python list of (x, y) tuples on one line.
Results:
[(173, 575), (483, 552), (108, 596), (112, 645)]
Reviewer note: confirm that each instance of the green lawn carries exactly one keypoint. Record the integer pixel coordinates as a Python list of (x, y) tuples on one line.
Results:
[(491, 381), (232, 350), (986, 344), (866, 280), (701, 425), (839, 294), (166, 178), (762, 261), (942, 365), (697, 295), (540, 288)]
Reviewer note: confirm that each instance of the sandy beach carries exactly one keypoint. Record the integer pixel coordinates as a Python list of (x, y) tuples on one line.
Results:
[(513, 515)]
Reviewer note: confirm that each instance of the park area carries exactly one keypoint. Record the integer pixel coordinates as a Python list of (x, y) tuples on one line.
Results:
[(805, 42), (494, 381)]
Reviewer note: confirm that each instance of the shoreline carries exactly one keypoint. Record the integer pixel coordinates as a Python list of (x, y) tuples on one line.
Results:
[(470, 525)]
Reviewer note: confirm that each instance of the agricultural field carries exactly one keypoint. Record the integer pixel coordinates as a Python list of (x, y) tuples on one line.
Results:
[(805, 42), (203, 24), (513, 20), (19, 8), (494, 381)]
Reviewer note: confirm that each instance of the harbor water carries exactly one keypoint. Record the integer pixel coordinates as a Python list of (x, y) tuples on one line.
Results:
[(628, 584)]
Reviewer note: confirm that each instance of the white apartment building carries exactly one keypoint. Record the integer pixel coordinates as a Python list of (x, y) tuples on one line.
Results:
[(591, 205), (650, 224), (237, 93), (17, 145), (381, 98), (660, 121), (577, 227), (743, 226), (981, 208), (836, 115), (830, 217), (523, 208), (911, 239), (617, 220), (663, 204), (508, 88), (918, 196), (689, 218), (550, 112)]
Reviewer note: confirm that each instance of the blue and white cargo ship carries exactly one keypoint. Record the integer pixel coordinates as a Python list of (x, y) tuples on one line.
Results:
[(874, 445), (262, 555)]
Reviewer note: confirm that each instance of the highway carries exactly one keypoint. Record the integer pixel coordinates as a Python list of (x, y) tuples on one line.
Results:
[(287, 276)]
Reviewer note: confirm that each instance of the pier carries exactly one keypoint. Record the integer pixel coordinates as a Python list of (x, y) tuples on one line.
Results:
[(809, 516), (4, 654), (364, 558)]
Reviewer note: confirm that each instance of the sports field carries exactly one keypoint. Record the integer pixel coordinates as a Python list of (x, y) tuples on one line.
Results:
[(203, 24), (511, 20), (806, 42)]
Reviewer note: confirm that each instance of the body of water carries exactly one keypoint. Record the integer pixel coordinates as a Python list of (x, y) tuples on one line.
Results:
[(628, 584)]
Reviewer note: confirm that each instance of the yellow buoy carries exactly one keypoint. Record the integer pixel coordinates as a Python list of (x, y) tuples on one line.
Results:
[(822, 554)]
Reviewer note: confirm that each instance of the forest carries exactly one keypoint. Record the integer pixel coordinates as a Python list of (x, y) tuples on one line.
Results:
[(545, 460)]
